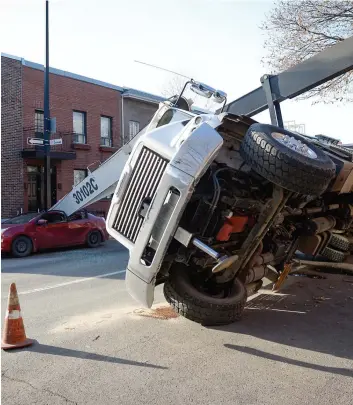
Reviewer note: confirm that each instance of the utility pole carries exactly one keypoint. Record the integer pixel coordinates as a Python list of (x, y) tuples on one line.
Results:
[(47, 175)]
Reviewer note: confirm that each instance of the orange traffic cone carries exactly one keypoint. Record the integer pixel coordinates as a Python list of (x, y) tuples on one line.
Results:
[(14, 335)]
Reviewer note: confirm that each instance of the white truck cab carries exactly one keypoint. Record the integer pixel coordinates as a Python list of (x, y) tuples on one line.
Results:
[(155, 185)]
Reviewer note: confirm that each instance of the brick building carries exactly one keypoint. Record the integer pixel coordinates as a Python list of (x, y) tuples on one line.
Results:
[(91, 119)]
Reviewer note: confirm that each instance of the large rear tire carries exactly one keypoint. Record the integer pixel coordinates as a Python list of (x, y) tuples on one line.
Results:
[(350, 248), (333, 255), (286, 159), (339, 242), (199, 307)]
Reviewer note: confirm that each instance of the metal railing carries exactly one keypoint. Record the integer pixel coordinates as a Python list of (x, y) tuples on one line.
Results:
[(66, 140)]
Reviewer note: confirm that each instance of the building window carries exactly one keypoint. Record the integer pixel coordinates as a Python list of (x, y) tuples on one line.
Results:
[(106, 131), (134, 128), (79, 175), (79, 125), (39, 123)]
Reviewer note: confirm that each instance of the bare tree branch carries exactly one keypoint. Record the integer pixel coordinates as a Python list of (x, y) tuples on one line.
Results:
[(298, 29), (174, 86)]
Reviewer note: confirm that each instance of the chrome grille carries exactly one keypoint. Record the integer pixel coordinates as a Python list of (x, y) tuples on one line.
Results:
[(143, 184)]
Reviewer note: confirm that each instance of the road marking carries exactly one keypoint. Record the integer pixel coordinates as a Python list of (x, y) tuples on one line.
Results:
[(278, 310), (79, 280)]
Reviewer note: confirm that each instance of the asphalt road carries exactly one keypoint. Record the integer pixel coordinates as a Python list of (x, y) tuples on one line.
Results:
[(95, 345)]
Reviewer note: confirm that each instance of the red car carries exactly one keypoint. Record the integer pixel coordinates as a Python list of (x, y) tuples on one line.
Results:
[(28, 233)]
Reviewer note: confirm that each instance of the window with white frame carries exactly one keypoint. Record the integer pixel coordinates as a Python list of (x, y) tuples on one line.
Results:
[(134, 128), (79, 126), (106, 131), (79, 175)]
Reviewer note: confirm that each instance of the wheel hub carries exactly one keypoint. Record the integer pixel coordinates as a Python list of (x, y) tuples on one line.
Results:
[(294, 144), (21, 247)]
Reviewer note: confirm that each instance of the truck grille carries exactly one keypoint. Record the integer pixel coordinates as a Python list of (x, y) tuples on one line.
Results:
[(146, 176)]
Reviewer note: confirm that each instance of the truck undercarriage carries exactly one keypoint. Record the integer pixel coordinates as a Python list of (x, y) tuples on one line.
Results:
[(262, 211)]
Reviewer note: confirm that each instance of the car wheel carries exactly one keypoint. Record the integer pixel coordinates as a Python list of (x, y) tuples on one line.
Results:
[(22, 246), (94, 239), (287, 159), (200, 307)]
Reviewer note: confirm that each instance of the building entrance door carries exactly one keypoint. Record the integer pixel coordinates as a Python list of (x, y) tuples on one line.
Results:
[(35, 187)]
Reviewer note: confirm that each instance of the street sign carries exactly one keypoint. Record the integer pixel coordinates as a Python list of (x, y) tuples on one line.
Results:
[(58, 141), (35, 141)]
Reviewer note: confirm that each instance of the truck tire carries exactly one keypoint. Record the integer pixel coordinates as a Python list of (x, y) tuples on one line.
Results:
[(200, 307), (333, 255), (350, 240), (286, 159), (339, 242)]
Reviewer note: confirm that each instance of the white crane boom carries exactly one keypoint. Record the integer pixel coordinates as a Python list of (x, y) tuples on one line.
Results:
[(98, 184)]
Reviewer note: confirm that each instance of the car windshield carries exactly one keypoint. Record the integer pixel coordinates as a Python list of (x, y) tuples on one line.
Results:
[(21, 219)]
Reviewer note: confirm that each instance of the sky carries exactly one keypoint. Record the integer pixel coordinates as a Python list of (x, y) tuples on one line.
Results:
[(217, 42)]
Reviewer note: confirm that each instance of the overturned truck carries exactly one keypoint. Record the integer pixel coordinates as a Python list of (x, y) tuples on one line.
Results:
[(211, 204)]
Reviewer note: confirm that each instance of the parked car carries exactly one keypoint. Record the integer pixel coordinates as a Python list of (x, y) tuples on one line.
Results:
[(32, 232)]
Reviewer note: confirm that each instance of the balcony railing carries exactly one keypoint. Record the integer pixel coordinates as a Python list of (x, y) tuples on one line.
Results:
[(69, 142), (66, 140)]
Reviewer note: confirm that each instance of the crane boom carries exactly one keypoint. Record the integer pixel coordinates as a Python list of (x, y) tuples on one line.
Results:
[(98, 184)]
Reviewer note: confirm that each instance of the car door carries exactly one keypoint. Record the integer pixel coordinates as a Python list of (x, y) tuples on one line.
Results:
[(78, 227), (54, 232)]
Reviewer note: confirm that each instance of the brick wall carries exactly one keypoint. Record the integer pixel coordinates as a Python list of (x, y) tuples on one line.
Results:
[(66, 95), (12, 192)]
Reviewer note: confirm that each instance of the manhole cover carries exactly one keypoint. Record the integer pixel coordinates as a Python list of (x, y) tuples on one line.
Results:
[(158, 313), (265, 301)]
